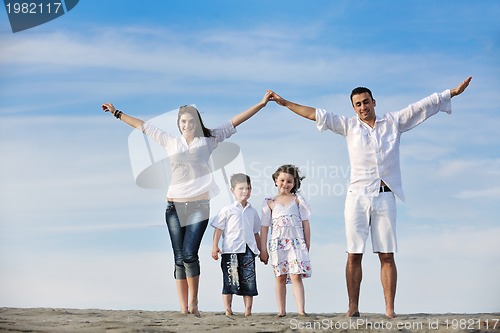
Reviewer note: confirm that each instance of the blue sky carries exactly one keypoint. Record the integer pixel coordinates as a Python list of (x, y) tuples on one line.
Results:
[(75, 229)]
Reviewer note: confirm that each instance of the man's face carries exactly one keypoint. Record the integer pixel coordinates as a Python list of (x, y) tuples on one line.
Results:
[(364, 106)]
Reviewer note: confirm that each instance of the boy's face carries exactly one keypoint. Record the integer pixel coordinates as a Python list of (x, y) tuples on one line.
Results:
[(242, 191)]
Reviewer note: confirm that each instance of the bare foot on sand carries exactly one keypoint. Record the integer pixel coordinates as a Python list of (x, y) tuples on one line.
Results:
[(352, 314)]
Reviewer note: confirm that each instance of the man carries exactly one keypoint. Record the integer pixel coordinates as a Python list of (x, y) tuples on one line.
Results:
[(373, 146)]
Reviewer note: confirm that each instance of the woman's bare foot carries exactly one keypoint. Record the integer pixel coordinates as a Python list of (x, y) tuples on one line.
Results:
[(229, 313), (280, 315)]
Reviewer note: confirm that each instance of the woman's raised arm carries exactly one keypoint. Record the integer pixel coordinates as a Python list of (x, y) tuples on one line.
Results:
[(245, 115), (134, 122)]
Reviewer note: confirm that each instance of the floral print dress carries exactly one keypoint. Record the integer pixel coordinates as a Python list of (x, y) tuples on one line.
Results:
[(288, 253)]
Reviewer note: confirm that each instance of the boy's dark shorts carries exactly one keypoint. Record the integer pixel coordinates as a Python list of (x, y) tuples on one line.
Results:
[(238, 273)]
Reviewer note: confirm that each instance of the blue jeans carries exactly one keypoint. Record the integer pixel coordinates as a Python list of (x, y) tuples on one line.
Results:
[(238, 273), (186, 223)]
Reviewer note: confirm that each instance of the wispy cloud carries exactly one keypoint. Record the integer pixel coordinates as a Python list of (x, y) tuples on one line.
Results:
[(69, 204)]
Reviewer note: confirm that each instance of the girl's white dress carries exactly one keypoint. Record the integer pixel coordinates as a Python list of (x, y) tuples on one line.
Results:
[(288, 253)]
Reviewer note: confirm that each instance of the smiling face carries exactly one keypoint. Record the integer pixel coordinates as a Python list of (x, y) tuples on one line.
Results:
[(187, 125), (364, 106), (285, 183)]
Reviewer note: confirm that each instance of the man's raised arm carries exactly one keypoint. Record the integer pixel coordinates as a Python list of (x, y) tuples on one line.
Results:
[(461, 87), (304, 111)]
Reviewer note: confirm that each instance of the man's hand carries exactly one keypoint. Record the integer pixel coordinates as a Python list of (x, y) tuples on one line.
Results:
[(461, 87), (277, 98)]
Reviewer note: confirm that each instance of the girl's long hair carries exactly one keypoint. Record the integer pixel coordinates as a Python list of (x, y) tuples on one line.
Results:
[(196, 115)]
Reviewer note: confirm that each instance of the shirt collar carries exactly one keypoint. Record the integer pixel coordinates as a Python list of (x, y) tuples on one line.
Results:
[(377, 120), (238, 204)]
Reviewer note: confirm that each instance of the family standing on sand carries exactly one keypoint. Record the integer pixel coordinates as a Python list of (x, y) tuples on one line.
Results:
[(370, 205)]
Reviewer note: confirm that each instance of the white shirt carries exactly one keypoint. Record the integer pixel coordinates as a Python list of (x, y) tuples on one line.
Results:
[(374, 152), (191, 171), (239, 225)]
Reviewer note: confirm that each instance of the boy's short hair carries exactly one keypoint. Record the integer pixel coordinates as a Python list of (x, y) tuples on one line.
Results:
[(239, 178)]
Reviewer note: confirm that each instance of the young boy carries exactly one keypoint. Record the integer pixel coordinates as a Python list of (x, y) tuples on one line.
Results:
[(239, 225)]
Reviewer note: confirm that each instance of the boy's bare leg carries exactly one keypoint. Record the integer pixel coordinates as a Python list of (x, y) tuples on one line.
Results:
[(228, 303), (248, 301)]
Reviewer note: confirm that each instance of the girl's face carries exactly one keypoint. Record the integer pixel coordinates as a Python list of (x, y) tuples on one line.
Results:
[(285, 183), (187, 125)]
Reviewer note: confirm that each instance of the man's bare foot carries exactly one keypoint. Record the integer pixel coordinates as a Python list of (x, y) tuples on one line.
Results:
[(352, 314), (392, 315), (229, 313), (303, 315), (280, 315), (248, 314)]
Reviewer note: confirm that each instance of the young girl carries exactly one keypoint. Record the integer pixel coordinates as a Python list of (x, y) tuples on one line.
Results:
[(288, 215)]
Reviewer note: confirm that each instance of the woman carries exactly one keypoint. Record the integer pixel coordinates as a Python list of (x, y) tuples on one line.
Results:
[(191, 187)]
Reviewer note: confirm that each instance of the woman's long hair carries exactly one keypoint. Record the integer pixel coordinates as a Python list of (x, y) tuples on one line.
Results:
[(196, 115)]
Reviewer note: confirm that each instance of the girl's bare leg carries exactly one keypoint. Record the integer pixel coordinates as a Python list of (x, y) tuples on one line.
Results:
[(299, 293), (281, 295)]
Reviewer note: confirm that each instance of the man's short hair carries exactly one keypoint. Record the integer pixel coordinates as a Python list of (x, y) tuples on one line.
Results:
[(359, 91)]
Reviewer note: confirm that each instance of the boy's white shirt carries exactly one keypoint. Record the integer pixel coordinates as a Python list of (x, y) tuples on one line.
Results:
[(239, 225)]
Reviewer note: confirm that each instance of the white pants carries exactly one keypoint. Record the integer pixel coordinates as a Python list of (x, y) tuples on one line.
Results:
[(362, 213)]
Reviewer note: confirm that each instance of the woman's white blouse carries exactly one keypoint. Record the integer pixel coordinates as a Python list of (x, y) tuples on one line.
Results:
[(191, 171)]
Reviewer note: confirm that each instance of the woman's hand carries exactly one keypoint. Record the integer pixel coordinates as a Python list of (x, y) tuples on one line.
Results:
[(108, 107)]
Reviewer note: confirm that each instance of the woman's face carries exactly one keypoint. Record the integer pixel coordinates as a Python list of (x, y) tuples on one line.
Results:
[(187, 125)]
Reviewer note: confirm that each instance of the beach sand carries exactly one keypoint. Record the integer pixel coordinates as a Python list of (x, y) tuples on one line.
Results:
[(115, 321)]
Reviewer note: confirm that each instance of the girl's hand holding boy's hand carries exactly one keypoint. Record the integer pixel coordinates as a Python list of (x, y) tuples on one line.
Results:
[(215, 253)]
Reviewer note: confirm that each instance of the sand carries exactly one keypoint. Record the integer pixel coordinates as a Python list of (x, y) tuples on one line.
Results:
[(112, 321)]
